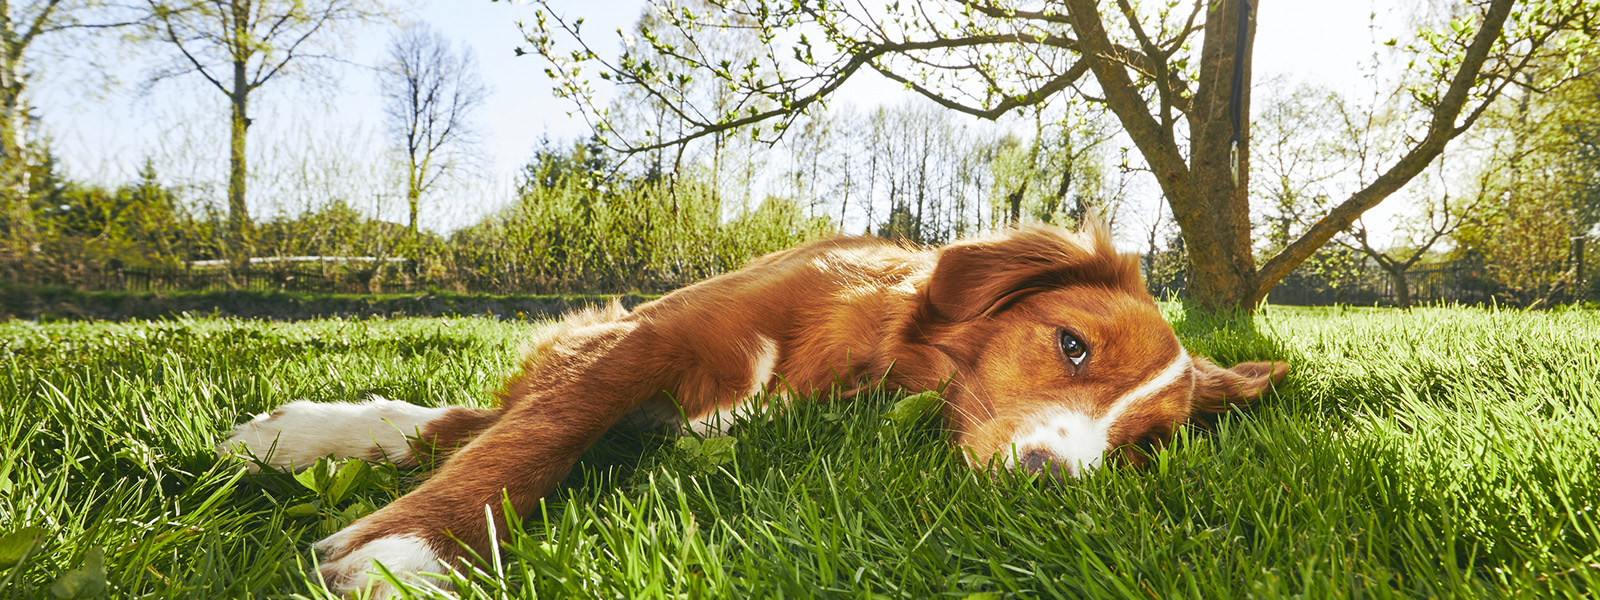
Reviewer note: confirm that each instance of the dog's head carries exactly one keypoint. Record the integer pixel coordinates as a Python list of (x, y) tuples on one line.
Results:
[(1060, 355)]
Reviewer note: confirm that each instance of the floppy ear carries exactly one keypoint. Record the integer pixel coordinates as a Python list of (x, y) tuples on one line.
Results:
[(981, 276), (1217, 389)]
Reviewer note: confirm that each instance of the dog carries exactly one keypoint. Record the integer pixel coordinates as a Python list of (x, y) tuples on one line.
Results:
[(1051, 355)]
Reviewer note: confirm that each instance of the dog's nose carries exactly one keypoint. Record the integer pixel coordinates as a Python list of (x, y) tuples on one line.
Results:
[(1042, 461)]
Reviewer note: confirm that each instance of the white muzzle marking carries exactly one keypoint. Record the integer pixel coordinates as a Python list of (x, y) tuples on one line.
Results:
[(1078, 440)]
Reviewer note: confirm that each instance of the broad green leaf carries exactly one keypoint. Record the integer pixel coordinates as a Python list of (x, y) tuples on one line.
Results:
[(719, 450), (16, 545), (316, 477), (709, 452), (304, 509), (86, 581), (688, 445), (913, 409), (349, 478), (355, 511)]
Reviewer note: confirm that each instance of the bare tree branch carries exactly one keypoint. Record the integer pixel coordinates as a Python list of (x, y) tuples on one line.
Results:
[(1159, 147), (1441, 129)]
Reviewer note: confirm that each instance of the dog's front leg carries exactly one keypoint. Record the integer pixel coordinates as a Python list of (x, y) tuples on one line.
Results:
[(562, 403)]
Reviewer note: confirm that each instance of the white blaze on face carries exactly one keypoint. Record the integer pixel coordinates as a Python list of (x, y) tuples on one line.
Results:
[(1079, 440), (762, 363)]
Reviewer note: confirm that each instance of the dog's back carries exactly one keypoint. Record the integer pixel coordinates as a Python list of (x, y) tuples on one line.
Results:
[(1051, 354)]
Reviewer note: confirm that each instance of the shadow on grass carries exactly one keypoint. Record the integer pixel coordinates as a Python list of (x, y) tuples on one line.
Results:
[(1229, 338)]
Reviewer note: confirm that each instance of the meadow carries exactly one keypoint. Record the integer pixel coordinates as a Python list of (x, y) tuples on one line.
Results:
[(1442, 452)]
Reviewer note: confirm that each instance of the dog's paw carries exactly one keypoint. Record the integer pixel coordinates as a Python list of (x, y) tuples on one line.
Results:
[(350, 561), (296, 434)]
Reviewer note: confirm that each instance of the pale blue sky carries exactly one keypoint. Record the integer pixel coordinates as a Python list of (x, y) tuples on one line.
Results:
[(105, 135)]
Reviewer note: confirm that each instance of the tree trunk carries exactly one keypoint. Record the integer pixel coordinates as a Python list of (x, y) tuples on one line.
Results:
[(1014, 205), (238, 213), (1208, 203), (1402, 287), (1215, 218), (922, 189), (13, 158), (413, 197), (844, 204)]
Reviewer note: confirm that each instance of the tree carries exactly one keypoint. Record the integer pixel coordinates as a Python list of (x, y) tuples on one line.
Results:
[(430, 91), (1551, 190), (1186, 112), (1304, 139), (1057, 176), (1442, 216), (21, 25), (238, 46)]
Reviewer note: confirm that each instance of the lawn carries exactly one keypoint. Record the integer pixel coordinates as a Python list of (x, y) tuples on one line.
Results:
[(1437, 453)]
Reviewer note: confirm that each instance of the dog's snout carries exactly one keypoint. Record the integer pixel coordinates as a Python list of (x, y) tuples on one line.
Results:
[(1042, 461)]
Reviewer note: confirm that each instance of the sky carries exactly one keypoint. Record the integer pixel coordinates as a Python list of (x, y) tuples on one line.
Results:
[(104, 132)]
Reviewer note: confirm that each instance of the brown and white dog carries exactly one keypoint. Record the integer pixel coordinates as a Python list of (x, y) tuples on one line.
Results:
[(1051, 353)]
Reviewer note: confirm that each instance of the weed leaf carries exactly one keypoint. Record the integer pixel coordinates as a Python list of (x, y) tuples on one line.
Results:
[(349, 478), (709, 453), (85, 581), (719, 451), (316, 477), (304, 509), (15, 546), (911, 410), (690, 446)]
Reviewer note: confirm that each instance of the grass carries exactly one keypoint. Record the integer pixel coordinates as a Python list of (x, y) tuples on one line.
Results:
[(1439, 453)]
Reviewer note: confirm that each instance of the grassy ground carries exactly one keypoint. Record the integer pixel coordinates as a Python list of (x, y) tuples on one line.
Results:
[(1441, 453)]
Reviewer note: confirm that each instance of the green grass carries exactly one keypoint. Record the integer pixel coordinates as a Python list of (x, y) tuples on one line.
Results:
[(1440, 453)]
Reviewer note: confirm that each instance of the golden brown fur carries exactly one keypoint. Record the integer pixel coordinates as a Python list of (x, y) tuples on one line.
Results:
[(982, 318)]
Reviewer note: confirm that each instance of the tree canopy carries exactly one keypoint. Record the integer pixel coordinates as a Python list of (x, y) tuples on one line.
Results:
[(1176, 75)]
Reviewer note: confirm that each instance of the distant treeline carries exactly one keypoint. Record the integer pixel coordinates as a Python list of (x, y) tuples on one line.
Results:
[(578, 224)]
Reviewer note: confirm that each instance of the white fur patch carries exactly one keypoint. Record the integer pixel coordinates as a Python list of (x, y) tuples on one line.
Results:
[(1079, 440), (1072, 437), (406, 556), (298, 433), (762, 364), (720, 421)]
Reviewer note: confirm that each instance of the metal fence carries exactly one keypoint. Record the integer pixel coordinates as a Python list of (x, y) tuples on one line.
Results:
[(1458, 282), (332, 277), (291, 279), (1450, 283)]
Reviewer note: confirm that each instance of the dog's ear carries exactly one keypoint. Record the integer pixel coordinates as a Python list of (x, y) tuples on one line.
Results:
[(1217, 389), (978, 277)]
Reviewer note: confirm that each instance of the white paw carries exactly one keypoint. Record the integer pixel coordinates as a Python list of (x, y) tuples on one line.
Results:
[(407, 557), (298, 433)]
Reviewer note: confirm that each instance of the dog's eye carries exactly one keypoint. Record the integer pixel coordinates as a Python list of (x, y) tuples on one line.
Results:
[(1073, 348)]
